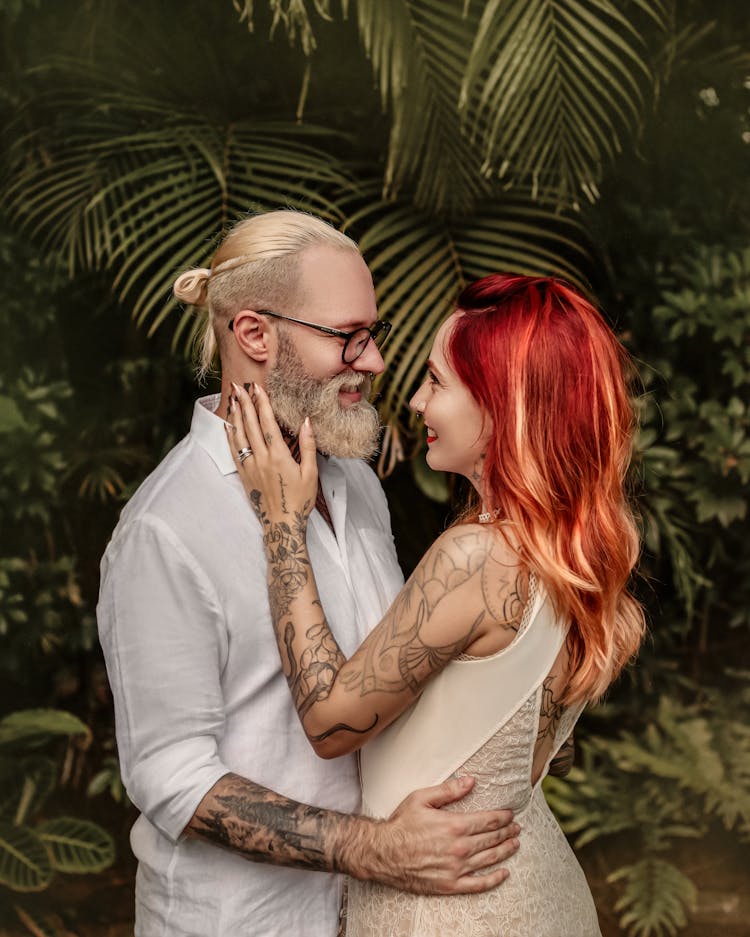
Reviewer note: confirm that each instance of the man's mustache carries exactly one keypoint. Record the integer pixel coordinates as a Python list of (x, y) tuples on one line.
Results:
[(353, 380)]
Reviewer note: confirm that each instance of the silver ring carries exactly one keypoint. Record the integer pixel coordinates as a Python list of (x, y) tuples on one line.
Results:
[(243, 454)]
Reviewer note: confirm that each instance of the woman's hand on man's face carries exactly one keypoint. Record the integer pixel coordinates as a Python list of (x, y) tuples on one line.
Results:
[(278, 487)]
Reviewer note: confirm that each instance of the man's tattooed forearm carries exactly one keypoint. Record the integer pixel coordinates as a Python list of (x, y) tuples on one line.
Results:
[(266, 827)]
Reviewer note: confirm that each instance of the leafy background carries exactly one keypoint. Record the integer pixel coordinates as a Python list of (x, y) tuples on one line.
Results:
[(606, 141)]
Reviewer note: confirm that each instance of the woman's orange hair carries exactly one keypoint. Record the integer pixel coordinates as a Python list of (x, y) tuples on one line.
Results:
[(541, 361)]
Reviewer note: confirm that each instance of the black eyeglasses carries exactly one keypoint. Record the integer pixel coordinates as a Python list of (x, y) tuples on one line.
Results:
[(354, 342)]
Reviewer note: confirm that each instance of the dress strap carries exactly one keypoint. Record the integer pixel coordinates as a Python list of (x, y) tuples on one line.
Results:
[(459, 710)]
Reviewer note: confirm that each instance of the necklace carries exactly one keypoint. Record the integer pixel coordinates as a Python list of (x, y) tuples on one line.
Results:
[(486, 517)]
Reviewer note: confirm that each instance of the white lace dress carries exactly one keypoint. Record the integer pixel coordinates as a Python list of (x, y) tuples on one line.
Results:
[(481, 716)]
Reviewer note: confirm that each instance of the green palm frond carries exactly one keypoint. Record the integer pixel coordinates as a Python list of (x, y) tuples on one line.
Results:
[(421, 263), (551, 89), (137, 187), (419, 50), (660, 12), (293, 15), (688, 49), (536, 93)]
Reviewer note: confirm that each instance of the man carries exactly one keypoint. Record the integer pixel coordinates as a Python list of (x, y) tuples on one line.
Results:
[(210, 746)]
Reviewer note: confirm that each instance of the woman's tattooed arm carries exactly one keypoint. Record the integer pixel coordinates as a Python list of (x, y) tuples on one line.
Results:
[(463, 585)]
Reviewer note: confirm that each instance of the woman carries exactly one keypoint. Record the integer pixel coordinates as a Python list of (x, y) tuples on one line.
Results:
[(514, 619)]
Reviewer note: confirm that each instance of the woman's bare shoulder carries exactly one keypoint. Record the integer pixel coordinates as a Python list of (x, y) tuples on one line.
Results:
[(484, 542), (489, 554)]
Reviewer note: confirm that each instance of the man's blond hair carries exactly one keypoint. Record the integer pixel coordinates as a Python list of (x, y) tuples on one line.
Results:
[(256, 266)]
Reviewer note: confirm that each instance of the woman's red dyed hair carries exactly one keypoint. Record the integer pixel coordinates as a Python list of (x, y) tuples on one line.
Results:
[(541, 361)]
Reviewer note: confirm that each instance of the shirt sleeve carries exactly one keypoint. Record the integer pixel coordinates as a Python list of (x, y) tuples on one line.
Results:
[(161, 627)]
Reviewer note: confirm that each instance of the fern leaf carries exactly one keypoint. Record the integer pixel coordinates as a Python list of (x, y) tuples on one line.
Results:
[(656, 898)]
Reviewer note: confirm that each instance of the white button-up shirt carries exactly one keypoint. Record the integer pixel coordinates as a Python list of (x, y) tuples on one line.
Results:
[(192, 660)]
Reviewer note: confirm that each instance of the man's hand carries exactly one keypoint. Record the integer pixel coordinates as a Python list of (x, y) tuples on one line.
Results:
[(420, 848), (426, 850)]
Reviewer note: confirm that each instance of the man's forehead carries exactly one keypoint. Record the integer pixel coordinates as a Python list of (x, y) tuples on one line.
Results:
[(338, 280)]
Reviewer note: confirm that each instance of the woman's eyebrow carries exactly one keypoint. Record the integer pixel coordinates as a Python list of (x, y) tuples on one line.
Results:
[(433, 367)]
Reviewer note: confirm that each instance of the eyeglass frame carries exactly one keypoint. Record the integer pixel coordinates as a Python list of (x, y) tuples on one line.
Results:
[(383, 327)]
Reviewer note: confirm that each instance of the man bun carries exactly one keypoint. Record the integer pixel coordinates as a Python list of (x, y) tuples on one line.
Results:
[(192, 286)]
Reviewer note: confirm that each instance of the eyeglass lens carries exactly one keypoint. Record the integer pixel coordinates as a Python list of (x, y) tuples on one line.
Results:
[(357, 342)]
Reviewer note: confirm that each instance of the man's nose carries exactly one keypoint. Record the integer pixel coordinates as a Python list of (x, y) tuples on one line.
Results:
[(370, 360)]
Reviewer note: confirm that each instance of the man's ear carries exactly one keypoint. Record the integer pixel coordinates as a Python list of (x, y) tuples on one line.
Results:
[(253, 334)]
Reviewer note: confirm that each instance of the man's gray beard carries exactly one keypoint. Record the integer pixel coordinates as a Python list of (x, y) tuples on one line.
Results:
[(349, 432)]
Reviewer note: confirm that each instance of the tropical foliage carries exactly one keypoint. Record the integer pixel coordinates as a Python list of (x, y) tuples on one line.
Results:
[(113, 169), (33, 847), (604, 141)]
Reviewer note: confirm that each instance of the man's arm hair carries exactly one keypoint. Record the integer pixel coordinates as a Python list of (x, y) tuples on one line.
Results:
[(420, 848)]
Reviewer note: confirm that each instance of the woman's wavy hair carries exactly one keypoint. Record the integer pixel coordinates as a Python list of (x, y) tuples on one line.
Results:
[(540, 360)]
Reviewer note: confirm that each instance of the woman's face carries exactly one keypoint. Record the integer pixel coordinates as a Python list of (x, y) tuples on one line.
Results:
[(457, 429)]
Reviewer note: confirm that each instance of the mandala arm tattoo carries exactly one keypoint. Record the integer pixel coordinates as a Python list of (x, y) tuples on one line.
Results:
[(397, 655), (266, 827)]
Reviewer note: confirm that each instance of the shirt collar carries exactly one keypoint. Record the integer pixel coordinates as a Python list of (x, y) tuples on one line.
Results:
[(207, 428)]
